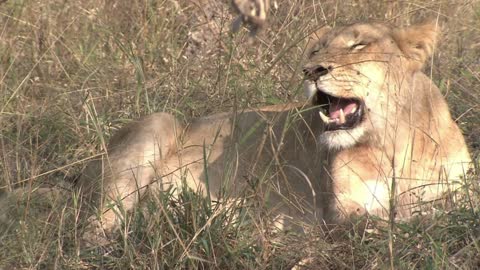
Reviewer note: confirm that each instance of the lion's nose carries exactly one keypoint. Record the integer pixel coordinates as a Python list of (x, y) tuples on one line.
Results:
[(315, 72)]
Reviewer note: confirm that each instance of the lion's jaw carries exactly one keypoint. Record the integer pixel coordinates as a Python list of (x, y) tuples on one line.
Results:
[(352, 109), (338, 138)]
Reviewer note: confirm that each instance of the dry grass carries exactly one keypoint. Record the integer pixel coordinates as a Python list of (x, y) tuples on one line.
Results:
[(73, 72)]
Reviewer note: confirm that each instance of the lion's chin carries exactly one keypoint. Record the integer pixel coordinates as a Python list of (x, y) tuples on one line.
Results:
[(342, 139)]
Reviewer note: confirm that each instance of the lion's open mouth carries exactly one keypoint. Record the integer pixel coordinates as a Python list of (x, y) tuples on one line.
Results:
[(338, 113)]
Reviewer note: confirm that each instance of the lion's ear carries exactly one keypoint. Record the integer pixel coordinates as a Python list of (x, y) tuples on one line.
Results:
[(314, 37), (417, 42)]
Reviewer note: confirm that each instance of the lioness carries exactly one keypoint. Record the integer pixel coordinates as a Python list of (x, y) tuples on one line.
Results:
[(375, 136)]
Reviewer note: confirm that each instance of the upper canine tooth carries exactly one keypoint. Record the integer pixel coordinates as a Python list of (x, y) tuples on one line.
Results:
[(324, 118), (309, 88), (342, 117), (354, 109)]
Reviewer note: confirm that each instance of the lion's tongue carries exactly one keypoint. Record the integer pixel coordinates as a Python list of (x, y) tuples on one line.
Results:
[(348, 106)]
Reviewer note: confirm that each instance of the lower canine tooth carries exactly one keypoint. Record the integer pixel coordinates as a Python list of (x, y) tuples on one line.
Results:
[(324, 118), (342, 117)]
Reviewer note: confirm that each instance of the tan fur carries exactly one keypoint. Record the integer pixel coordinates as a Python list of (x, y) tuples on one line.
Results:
[(282, 153), (417, 42), (269, 152)]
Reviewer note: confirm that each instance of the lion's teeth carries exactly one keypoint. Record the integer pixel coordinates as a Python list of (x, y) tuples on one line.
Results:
[(342, 117), (309, 88), (354, 109), (324, 118)]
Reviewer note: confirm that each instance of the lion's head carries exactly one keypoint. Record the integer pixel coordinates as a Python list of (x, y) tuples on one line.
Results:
[(363, 77)]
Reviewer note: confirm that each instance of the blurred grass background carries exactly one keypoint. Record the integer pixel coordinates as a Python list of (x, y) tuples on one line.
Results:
[(73, 72)]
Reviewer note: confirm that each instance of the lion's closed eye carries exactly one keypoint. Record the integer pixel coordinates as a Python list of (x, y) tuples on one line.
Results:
[(314, 52), (358, 46)]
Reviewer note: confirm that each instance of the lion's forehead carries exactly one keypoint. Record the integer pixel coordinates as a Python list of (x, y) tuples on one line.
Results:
[(346, 36)]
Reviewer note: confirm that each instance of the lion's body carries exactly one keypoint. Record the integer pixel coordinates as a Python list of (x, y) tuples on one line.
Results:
[(267, 152), (385, 142)]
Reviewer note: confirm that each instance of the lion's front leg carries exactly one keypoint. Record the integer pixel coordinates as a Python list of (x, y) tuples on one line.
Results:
[(360, 185)]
